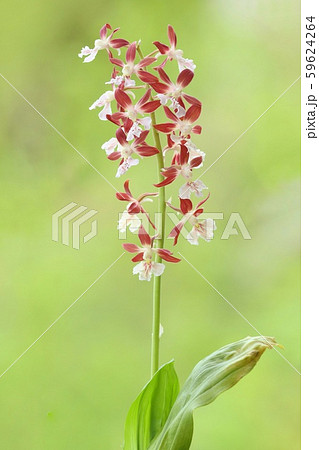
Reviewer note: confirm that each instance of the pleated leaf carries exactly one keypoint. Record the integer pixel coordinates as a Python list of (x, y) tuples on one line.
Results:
[(211, 377), (150, 410)]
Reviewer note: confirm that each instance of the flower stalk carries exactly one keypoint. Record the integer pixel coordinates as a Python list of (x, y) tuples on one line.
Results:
[(157, 286)]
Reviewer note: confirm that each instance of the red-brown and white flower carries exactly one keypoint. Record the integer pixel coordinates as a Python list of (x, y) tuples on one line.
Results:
[(121, 148), (174, 143), (172, 53), (129, 67), (202, 229), (135, 204), (181, 166), (129, 113), (104, 43), (145, 254), (183, 125), (167, 90)]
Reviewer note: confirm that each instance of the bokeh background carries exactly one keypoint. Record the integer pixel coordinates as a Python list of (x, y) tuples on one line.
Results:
[(72, 389)]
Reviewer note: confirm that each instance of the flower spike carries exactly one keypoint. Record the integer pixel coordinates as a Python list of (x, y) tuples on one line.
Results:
[(139, 86)]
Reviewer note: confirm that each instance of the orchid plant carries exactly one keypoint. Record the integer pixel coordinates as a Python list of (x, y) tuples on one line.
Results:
[(161, 416)]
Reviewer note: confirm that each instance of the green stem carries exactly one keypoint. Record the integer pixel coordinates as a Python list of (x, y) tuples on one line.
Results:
[(159, 243)]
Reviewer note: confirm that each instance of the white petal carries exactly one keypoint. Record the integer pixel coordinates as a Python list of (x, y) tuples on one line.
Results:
[(211, 225), (128, 220), (106, 110), (192, 236), (184, 63), (143, 271), (135, 224), (85, 51), (178, 109), (129, 82), (157, 269), (185, 191), (110, 145), (162, 98), (134, 131), (146, 122), (126, 164), (92, 56)]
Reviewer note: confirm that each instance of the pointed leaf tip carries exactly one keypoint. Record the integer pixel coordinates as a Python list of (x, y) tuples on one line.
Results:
[(211, 377)]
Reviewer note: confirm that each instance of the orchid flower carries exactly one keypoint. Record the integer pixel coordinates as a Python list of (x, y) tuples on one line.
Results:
[(182, 166), (204, 228), (174, 143), (183, 125), (167, 90), (121, 148), (135, 204), (145, 253), (129, 67), (105, 42), (172, 53), (129, 112)]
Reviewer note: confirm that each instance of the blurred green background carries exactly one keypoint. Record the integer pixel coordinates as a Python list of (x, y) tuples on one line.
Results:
[(72, 390)]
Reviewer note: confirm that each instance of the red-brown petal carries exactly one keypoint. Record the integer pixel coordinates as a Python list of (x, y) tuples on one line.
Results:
[(165, 182), (195, 162), (162, 47), (118, 43), (115, 118), (144, 236), (197, 129), (147, 77), (123, 99), (164, 75), (191, 100), (114, 156), (165, 127), (134, 208), (117, 62), (167, 255), (170, 115), (184, 155), (185, 77), (138, 257), (121, 137), (185, 205), (131, 53), (193, 113), (172, 36), (146, 62), (161, 88), (131, 248), (123, 197), (146, 150), (150, 106)]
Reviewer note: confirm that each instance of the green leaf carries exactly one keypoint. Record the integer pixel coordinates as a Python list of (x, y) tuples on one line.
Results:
[(210, 378), (150, 410)]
